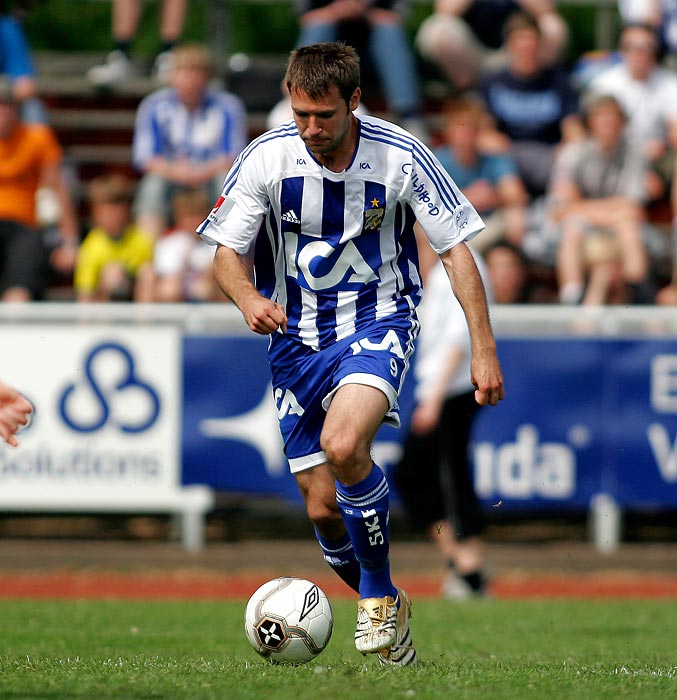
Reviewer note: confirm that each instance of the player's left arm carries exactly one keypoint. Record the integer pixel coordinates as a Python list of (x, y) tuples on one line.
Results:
[(469, 290)]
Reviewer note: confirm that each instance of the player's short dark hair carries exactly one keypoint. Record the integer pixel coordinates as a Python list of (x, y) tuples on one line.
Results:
[(317, 68)]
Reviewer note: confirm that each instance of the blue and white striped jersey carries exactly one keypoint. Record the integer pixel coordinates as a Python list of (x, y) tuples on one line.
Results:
[(165, 127), (337, 250)]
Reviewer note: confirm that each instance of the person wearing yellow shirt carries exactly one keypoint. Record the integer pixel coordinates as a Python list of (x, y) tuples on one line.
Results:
[(115, 251)]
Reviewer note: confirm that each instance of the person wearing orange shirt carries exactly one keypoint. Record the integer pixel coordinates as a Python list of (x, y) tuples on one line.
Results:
[(30, 157)]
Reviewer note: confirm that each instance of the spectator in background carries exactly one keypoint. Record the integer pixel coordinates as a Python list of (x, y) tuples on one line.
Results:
[(115, 250), (186, 135), (30, 158), (659, 14), (182, 262), (598, 187), (376, 27), (508, 271), (434, 477), (464, 38), (16, 64), (126, 15), (489, 180), (648, 94), (534, 107)]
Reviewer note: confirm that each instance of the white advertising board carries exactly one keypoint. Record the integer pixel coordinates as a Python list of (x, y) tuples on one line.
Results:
[(106, 424)]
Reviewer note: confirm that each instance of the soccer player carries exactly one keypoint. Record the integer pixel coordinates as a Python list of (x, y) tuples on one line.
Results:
[(15, 411), (325, 206)]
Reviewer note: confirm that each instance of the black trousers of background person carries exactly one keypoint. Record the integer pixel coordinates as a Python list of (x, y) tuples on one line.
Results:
[(434, 478), (23, 258)]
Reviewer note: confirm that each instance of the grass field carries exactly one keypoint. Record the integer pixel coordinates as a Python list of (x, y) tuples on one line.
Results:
[(497, 649)]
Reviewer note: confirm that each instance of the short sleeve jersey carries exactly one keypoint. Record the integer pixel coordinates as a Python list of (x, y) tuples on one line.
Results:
[(165, 127), (338, 250)]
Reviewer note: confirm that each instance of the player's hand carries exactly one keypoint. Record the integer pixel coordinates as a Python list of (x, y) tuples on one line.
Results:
[(487, 378), (264, 316), (15, 411)]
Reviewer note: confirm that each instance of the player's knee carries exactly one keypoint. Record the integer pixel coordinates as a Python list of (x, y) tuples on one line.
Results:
[(341, 449), (324, 515)]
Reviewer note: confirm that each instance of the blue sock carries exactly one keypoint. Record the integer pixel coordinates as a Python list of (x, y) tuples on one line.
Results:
[(365, 512), (340, 555)]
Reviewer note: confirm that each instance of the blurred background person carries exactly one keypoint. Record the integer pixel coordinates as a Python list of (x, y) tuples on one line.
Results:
[(534, 106), (465, 38), (377, 31), (182, 261), (489, 180), (125, 23), (659, 14), (16, 64), (30, 158), (434, 477), (115, 250), (599, 184), (647, 92), (508, 272), (186, 135)]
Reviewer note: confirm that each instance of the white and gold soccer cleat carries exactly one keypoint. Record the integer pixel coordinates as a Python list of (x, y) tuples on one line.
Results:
[(376, 624), (401, 652)]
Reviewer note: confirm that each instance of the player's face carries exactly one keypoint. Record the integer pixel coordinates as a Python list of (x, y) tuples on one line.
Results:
[(323, 123)]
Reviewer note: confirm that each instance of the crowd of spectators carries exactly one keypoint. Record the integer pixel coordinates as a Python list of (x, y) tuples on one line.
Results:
[(572, 170)]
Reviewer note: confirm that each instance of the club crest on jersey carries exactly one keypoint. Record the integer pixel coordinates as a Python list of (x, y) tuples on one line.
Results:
[(461, 220), (373, 215)]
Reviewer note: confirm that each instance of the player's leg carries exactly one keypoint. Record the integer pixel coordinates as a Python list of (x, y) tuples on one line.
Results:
[(354, 415), (318, 488)]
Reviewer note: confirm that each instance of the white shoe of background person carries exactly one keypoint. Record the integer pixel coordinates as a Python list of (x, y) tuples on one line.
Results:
[(117, 68)]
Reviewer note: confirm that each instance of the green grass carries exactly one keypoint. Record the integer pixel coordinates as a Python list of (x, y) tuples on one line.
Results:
[(499, 650)]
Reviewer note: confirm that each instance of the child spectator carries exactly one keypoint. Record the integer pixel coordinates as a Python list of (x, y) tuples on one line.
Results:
[(489, 180), (115, 250), (186, 135), (182, 265)]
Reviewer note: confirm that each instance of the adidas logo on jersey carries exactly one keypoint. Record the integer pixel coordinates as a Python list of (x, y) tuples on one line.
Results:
[(291, 217)]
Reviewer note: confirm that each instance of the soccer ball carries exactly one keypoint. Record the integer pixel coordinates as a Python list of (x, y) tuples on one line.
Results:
[(289, 620)]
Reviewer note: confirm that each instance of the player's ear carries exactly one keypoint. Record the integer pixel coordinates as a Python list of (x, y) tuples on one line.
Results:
[(355, 99)]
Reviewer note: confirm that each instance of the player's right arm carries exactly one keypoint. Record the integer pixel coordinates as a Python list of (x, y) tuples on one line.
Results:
[(262, 315)]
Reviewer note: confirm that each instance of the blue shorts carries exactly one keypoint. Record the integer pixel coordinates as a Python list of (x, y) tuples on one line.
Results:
[(305, 380)]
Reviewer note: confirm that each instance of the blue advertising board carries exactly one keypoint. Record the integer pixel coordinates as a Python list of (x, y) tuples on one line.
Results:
[(582, 416)]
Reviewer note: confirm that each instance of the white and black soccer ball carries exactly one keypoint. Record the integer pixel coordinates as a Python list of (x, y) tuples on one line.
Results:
[(289, 620)]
